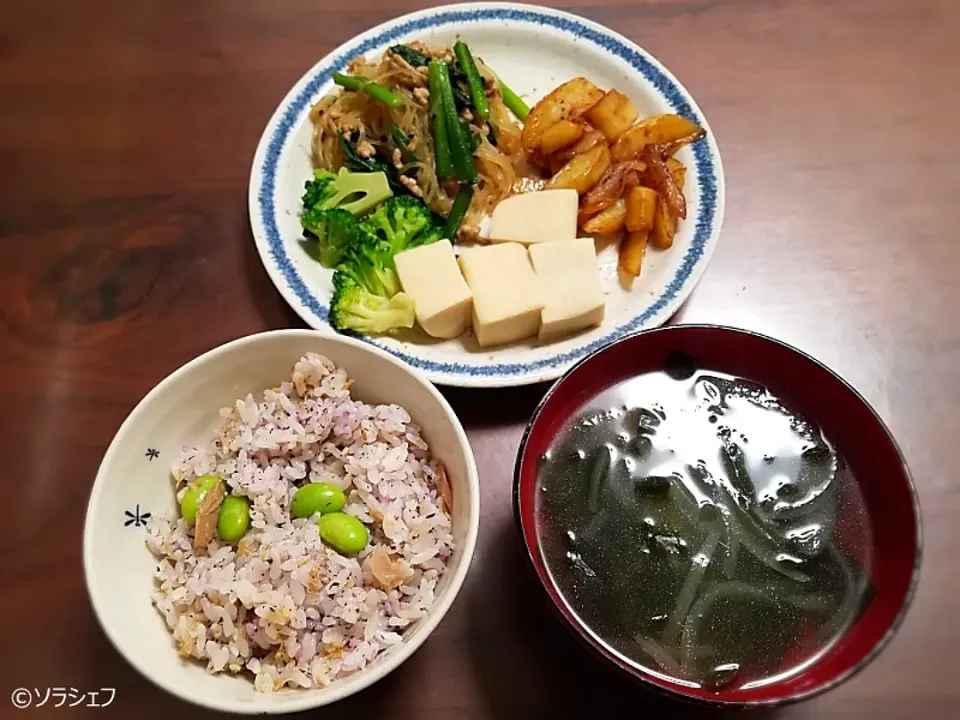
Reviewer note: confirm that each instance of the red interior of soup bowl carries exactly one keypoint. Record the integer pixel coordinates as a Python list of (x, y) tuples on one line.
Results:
[(843, 415)]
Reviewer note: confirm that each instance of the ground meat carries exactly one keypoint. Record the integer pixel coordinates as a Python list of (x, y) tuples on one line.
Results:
[(466, 114), (414, 142), (355, 64), (437, 52), (422, 95), (411, 185), (419, 77), (365, 149), (397, 158)]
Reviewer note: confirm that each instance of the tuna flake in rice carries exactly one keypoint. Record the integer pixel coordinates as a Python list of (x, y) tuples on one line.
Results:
[(280, 603)]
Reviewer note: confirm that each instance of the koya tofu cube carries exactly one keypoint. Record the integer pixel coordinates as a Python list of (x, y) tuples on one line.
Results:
[(535, 217), (506, 295), (570, 282), (430, 275)]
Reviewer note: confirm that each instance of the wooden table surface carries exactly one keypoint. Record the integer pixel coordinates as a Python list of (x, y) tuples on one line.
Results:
[(126, 133)]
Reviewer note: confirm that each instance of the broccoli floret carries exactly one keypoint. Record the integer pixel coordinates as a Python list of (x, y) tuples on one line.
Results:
[(356, 192), (403, 222), (334, 230), (372, 187), (369, 261), (367, 296), (353, 308), (317, 190)]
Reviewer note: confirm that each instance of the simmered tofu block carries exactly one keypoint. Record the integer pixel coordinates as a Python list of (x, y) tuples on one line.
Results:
[(535, 217), (570, 282), (506, 295), (430, 275)]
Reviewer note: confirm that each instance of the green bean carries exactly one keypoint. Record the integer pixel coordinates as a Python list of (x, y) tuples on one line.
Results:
[(317, 498), (194, 496), (461, 151), (374, 90), (234, 518), (513, 102), (438, 120), (344, 533), (461, 204), (469, 67)]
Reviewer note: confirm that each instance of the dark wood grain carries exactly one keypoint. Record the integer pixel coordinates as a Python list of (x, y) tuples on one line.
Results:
[(126, 134)]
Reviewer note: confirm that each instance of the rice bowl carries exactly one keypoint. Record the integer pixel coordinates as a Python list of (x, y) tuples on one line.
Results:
[(280, 620), (281, 604)]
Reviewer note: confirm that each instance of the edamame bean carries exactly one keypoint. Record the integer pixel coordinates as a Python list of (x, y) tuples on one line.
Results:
[(317, 497), (194, 496), (344, 533), (234, 518)]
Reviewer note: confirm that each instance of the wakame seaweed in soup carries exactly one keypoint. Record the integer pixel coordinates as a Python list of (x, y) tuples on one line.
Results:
[(702, 530)]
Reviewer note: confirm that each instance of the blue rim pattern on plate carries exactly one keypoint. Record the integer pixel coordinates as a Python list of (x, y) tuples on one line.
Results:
[(706, 173)]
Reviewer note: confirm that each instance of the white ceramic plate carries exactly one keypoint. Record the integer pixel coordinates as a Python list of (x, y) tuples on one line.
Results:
[(533, 49), (134, 482)]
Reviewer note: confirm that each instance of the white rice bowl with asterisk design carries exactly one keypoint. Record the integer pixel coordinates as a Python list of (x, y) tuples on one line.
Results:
[(279, 621)]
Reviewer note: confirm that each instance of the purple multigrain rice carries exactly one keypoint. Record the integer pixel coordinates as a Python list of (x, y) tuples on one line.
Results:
[(280, 604)]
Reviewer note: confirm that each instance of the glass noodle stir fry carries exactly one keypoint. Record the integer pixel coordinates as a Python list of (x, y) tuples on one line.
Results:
[(393, 115), (424, 143)]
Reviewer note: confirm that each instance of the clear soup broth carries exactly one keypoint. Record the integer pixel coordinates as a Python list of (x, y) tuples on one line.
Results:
[(703, 530)]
